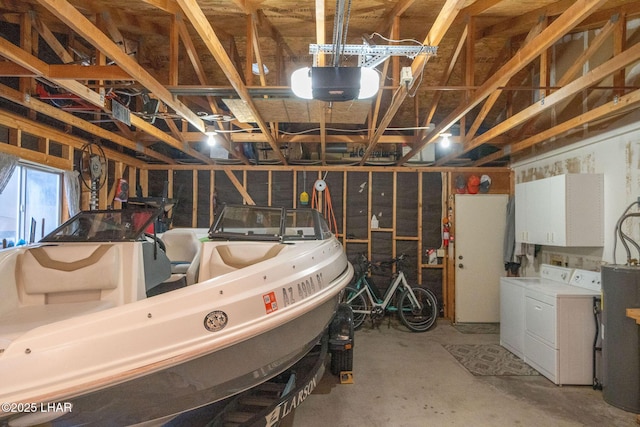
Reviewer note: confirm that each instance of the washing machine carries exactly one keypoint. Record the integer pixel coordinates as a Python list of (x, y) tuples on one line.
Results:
[(548, 321), (512, 304)]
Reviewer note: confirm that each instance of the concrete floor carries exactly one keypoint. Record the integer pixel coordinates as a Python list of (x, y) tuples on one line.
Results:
[(409, 379)]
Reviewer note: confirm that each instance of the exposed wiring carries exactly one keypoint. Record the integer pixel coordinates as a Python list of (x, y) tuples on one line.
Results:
[(395, 41), (417, 85), (302, 132), (624, 238)]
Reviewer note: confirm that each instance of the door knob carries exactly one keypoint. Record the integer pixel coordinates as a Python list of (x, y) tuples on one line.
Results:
[(460, 256), (460, 265)]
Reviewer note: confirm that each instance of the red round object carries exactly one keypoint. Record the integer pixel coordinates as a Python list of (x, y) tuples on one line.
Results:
[(473, 184)]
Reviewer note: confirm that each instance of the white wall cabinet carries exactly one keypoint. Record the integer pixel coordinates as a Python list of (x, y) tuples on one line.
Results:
[(563, 210)]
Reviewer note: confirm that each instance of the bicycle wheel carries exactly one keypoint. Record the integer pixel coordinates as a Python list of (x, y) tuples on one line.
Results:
[(415, 319), (358, 304)]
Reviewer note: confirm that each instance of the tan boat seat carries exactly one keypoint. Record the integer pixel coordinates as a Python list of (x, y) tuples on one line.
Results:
[(54, 283), (243, 258), (58, 274), (183, 250), (222, 258)]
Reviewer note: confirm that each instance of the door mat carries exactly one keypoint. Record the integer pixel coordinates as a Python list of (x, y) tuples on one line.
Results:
[(489, 359), (478, 328)]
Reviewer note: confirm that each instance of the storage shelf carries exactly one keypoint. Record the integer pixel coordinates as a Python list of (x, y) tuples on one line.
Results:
[(382, 229), (431, 265), (357, 240), (409, 238)]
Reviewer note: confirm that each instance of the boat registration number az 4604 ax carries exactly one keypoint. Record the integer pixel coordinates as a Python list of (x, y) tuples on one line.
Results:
[(292, 294)]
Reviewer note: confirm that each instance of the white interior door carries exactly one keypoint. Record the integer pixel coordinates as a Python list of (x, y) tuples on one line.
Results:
[(479, 226)]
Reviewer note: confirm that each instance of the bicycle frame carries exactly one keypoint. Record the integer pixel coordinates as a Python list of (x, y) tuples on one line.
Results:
[(399, 281)]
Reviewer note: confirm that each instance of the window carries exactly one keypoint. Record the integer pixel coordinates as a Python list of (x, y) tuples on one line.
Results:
[(30, 204)]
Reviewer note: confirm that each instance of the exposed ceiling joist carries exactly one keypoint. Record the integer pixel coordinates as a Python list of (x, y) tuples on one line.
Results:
[(616, 106), (68, 118), (493, 98), (565, 22), (591, 78), (442, 23), (447, 94), (81, 25), (199, 21)]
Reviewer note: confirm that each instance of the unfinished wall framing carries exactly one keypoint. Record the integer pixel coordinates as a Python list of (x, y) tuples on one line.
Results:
[(409, 204)]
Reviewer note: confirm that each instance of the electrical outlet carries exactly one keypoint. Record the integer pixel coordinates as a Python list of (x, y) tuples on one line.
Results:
[(405, 75)]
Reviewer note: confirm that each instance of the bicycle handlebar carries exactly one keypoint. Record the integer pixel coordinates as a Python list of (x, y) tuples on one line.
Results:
[(364, 261)]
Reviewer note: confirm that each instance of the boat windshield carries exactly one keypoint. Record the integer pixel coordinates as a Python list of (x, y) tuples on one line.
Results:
[(268, 223), (105, 226)]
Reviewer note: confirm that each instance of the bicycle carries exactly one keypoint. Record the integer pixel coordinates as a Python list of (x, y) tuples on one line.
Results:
[(417, 307)]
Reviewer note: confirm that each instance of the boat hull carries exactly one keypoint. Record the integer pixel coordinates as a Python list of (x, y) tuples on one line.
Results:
[(207, 379)]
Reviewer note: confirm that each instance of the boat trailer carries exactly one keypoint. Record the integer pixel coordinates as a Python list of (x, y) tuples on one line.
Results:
[(272, 403)]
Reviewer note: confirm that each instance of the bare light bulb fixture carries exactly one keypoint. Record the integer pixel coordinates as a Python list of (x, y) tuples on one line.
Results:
[(446, 142), (211, 133)]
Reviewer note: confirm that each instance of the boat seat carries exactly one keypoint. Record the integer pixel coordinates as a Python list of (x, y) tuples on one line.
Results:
[(241, 259), (54, 283), (228, 257), (183, 250), (61, 274)]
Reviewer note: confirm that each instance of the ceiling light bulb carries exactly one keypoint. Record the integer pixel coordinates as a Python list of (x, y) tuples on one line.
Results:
[(369, 83), (301, 83), (210, 131), (445, 140)]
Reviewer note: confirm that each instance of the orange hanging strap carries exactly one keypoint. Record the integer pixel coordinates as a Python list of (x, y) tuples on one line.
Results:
[(326, 209)]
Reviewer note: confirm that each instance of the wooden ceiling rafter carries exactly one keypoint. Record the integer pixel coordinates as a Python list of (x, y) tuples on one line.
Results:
[(30, 62), (85, 81), (599, 18), (173, 77), (109, 27), (174, 51), (134, 24), (440, 26), (257, 52), (591, 78), (398, 10), (613, 107), (43, 131), (444, 79), (68, 14), (48, 36), (521, 24), (248, 58), (574, 68), (321, 34), (192, 11), (566, 21), (194, 58), (269, 29), (493, 98), (66, 58), (40, 68)]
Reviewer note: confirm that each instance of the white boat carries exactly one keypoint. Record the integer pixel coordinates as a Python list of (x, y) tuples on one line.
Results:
[(82, 342)]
